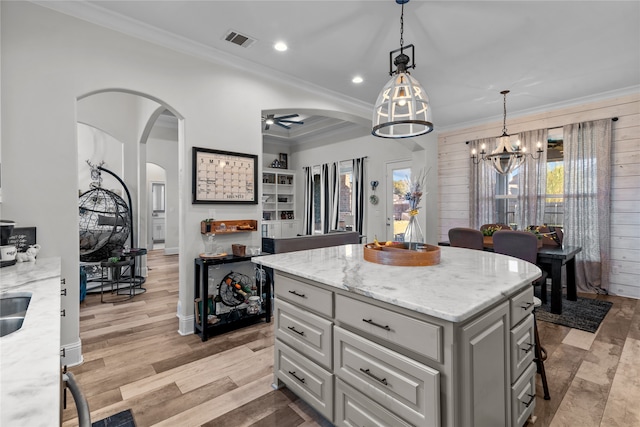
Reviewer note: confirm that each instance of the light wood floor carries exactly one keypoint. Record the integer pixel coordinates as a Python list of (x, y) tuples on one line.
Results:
[(135, 359)]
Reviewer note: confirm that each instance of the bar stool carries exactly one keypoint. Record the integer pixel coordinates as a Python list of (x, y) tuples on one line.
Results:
[(113, 277), (540, 354)]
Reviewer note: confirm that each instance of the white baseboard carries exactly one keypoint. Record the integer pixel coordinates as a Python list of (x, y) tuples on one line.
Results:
[(185, 324), (171, 251), (72, 354)]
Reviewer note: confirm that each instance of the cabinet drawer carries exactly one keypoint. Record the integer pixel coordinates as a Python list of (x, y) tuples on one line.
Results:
[(521, 305), (353, 409), (308, 380), (422, 337), (306, 332), (522, 347), (523, 396), (305, 295), (398, 383)]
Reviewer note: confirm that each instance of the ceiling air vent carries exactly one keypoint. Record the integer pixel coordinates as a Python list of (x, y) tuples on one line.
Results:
[(239, 39)]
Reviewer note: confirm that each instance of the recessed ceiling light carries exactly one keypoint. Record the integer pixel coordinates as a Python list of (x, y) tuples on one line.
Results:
[(357, 79), (280, 46)]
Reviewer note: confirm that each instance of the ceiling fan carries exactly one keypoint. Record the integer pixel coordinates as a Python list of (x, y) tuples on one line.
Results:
[(282, 121)]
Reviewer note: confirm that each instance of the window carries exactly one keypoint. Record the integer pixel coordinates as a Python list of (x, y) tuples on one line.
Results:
[(554, 209), (506, 199), (346, 200)]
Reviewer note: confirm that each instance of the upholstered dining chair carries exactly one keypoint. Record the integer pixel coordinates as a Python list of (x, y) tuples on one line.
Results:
[(470, 238), (524, 245)]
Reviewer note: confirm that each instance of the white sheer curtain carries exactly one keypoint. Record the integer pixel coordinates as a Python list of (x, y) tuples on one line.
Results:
[(482, 187), (334, 195), (532, 180), (587, 198)]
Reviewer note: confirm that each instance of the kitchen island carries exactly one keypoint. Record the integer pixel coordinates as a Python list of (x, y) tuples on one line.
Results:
[(443, 345), (30, 357)]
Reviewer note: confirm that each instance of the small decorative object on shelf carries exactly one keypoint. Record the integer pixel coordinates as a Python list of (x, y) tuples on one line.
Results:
[(228, 226), (413, 233), (207, 225)]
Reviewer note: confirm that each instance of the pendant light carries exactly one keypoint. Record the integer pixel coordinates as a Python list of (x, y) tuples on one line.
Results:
[(402, 109), (506, 157)]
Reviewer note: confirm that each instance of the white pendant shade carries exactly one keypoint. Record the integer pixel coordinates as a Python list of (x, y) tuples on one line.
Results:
[(402, 109)]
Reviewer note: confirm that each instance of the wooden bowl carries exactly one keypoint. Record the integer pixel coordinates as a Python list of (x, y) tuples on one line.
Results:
[(400, 255)]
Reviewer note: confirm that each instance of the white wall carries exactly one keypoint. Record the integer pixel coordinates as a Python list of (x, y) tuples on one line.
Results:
[(49, 60), (454, 166), (422, 151)]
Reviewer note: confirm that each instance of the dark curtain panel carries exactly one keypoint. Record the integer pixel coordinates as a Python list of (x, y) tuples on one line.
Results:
[(307, 225), (325, 198), (359, 189)]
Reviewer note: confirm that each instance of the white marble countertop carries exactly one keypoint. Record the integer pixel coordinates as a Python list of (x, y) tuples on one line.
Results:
[(30, 357), (464, 283)]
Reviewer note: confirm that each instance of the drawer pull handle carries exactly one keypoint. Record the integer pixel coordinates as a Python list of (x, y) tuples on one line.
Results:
[(382, 380), (293, 374), (371, 322), (293, 328), (531, 398), (526, 306), (528, 349), (297, 294)]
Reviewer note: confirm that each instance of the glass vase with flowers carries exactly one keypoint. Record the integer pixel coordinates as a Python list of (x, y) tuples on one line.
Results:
[(413, 235)]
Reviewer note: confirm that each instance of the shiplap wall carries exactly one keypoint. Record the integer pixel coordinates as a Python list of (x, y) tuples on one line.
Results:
[(454, 164)]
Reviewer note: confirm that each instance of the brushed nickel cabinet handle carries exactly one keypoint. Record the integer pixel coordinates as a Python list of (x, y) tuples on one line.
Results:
[(293, 328), (528, 349), (293, 374), (382, 380), (297, 294), (371, 322), (531, 398)]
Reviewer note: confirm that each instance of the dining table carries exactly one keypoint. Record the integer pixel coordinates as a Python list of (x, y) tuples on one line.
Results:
[(552, 259)]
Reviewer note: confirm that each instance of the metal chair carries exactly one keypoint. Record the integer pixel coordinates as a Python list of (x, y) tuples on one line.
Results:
[(470, 238), (524, 245)]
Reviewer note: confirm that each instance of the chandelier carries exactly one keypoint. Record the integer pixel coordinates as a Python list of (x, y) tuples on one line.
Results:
[(402, 109), (507, 156)]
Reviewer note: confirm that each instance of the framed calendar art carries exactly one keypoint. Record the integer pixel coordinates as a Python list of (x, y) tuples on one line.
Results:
[(224, 177)]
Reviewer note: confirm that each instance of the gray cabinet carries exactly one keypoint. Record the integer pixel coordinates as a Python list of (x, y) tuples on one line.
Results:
[(360, 361)]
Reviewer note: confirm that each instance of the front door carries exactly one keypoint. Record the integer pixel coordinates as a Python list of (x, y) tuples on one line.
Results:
[(397, 207)]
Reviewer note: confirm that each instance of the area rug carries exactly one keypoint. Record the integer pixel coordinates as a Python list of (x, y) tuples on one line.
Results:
[(585, 313), (121, 419)]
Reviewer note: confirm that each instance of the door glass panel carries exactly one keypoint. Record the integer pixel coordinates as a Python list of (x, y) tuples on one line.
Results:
[(398, 178)]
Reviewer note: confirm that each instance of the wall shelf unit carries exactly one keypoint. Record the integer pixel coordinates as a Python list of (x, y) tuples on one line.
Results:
[(278, 201), (230, 226)]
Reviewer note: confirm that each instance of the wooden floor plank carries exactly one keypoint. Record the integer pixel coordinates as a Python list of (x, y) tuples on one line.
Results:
[(135, 359)]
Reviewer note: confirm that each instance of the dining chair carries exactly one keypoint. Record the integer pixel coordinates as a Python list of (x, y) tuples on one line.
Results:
[(470, 238), (524, 245)]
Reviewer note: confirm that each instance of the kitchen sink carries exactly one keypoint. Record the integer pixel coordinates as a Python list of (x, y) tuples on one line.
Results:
[(13, 309), (10, 324)]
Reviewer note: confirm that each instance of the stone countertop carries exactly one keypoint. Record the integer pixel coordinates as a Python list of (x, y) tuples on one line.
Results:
[(464, 283), (30, 357)]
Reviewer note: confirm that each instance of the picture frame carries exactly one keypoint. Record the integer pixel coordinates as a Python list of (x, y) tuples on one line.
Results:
[(224, 177), (282, 158)]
